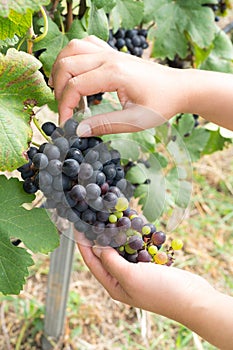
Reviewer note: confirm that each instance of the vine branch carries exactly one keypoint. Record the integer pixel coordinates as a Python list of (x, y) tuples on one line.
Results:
[(69, 19), (82, 8)]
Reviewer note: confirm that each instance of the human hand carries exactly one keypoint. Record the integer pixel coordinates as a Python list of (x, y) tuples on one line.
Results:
[(149, 93), (167, 291), (171, 292)]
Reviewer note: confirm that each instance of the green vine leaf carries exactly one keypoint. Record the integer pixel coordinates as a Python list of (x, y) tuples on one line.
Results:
[(14, 263), (34, 227), (174, 20), (21, 85), (20, 6), (98, 23), (54, 41), (16, 23), (127, 14), (221, 57)]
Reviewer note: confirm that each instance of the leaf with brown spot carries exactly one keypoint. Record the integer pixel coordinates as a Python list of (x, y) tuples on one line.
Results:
[(20, 82)]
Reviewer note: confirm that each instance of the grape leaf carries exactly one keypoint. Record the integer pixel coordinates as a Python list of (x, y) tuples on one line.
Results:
[(216, 142), (20, 6), (34, 227), (152, 196), (14, 263), (220, 57), (21, 85), (174, 20), (54, 41), (77, 31), (98, 23), (127, 13), (106, 4), (16, 23)]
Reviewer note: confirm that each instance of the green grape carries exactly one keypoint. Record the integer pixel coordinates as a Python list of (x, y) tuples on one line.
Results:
[(146, 230), (177, 244), (129, 250), (122, 204), (112, 218), (160, 258), (118, 214), (152, 250), (133, 216)]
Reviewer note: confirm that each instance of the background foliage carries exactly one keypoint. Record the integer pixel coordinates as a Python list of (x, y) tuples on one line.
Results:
[(181, 33)]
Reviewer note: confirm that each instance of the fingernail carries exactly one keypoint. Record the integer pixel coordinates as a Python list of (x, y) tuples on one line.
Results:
[(83, 130), (50, 82), (97, 250)]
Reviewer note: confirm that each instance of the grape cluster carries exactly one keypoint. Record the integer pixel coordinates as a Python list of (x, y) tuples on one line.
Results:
[(219, 8), (132, 41), (83, 180)]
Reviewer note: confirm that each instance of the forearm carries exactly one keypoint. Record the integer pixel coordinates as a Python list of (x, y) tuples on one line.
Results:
[(210, 314), (209, 94)]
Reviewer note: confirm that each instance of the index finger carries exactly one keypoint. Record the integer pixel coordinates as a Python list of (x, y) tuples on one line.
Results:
[(75, 47)]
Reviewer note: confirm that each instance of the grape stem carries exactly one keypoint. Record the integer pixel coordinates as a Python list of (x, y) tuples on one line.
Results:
[(46, 26), (36, 122)]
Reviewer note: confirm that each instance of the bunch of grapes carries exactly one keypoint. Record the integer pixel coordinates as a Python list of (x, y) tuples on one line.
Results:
[(83, 180), (219, 8), (132, 41)]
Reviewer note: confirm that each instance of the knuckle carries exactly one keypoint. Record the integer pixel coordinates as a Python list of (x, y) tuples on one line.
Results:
[(73, 43)]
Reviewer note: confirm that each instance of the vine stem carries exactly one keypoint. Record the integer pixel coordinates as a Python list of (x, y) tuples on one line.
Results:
[(35, 120), (69, 14), (82, 8), (46, 26)]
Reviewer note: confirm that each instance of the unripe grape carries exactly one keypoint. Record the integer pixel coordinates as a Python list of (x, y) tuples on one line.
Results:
[(177, 244)]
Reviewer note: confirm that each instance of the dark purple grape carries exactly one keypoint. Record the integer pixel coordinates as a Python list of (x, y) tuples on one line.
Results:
[(104, 188), (27, 174), (136, 40), (102, 216), (54, 167), (94, 141), (103, 240), (137, 223), (75, 153), (62, 183), (136, 242), (110, 200), (70, 127), (98, 227), (40, 161), (110, 171), (73, 215), (158, 238), (120, 43), (93, 191), (144, 256), (29, 186), (120, 239), (71, 168), (96, 204), (48, 128), (78, 192), (32, 151), (51, 151), (91, 156), (58, 132), (85, 172), (88, 216), (81, 206), (124, 222), (63, 145)]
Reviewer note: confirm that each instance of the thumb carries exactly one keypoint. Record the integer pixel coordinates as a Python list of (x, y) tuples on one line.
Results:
[(131, 119), (113, 263)]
